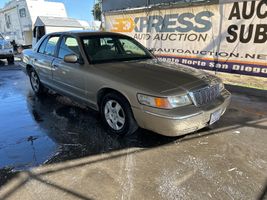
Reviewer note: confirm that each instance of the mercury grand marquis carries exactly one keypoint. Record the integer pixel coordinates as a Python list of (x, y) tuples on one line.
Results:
[(117, 76)]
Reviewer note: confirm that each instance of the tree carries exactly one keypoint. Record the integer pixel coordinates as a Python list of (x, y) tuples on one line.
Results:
[(97, 11)]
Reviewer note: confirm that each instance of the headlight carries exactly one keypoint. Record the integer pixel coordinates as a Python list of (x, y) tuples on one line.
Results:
[(221, 86), (158, 102), (178, 101), (164, 102)]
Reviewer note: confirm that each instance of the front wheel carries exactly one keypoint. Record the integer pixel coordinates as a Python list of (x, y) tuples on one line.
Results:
[(117, 115), (37, 86)]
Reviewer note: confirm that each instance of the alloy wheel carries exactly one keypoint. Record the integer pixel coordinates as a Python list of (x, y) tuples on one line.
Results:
[(114, 115), (35, 82)]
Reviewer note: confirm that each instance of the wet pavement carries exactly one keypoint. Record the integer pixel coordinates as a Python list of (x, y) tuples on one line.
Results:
[(52, 128), (22, 142), (228, 161)]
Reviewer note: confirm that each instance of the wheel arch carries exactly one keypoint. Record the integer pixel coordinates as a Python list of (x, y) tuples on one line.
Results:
[(132, 123), (103, 91), (29, 68)]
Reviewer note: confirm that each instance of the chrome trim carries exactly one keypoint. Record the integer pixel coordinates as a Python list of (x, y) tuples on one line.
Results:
[(193, 99), (174, 118)]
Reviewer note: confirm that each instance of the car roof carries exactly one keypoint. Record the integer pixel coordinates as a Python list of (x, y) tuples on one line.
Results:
[(82, 33)]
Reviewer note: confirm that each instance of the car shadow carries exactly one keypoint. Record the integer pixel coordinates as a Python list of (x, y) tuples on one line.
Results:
[(78, 131)]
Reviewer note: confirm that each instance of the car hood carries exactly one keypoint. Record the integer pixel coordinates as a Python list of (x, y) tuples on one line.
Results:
[(157, 77)]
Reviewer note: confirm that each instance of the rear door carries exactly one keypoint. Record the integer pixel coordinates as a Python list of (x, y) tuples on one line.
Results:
[(69, 77), (45, 56)]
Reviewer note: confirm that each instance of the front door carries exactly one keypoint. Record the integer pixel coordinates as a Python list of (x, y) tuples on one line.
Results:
[(69, 77)]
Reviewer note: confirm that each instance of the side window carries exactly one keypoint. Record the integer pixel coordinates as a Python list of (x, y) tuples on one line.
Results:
[(51, 45), (129, 46), (43, 45), (68, 45), (22, 12)]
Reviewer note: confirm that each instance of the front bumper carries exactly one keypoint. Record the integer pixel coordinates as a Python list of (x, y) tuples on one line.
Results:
[(183, 120), (6, 53)]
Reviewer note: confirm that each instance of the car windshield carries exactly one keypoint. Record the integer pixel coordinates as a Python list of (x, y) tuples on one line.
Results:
[(101, 49)]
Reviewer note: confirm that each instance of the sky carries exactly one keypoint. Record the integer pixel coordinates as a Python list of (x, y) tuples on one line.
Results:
[(79, 9)]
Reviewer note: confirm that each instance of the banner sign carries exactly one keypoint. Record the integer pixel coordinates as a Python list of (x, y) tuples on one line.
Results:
[(228, 37)]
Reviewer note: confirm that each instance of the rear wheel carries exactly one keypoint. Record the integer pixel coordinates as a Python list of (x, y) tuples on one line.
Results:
[(10, 60), (37, 86), (117, 115)]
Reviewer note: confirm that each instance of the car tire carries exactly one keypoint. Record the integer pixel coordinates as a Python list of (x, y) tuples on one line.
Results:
[(116, 114), (10, 60), (36, 84)]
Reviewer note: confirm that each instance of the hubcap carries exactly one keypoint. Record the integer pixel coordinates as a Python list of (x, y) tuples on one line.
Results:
[(35, 81), (114, 115)]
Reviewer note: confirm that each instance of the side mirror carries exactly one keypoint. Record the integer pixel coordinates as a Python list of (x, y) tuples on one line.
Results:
[(71, 58)]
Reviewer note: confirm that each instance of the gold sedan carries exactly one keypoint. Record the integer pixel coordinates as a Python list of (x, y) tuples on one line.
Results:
[(117, 76)]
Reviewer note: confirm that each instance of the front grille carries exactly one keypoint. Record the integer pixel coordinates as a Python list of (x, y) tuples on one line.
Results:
[(205, 95)]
